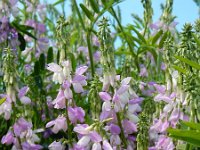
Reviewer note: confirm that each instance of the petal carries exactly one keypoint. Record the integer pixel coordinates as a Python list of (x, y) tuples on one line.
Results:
[(84, 141), (106, 145), (23, 91), (25, 100), (96, 146), (105, 96), (115, 129), (77, 87), (95, 137), (51, 123), (54, 67), (126, 81), (81, 70)]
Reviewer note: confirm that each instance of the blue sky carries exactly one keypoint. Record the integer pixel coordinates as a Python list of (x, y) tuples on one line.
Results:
[(185, 10)]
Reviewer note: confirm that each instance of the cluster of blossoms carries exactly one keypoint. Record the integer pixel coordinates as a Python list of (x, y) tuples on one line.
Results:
[(22, 136)]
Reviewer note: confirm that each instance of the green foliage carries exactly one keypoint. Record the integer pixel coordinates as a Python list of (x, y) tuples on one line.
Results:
[(191, 136)]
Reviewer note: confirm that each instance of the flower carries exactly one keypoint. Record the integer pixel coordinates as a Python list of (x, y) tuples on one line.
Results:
[(76, 114), (56, 146), (6, 108), (31, 146), (22, 92), (58, 124), (8, 138), (60, 102), (79, 79), (21, 125), (58, 75)]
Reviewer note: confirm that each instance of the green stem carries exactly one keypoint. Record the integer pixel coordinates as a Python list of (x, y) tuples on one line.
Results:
[(90, 53), (122, 130), (79, 15)]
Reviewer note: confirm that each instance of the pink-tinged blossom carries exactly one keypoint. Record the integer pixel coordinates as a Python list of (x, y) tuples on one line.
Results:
[(115, 140), (79, 80), (21, 125), (108, 79), (160, 126), (21, 95), (95, 41), (60, 101), (6, 108), (67, 92), (164, 97), (76, 114), (8, 138), (106, 145), (165, 143), (31, 146), (96, 146), (143, 71), (82, 129), (58, 75), (105, 96), (56, 146), (58, 124), (129, 127), (163, 66), (115, 129)]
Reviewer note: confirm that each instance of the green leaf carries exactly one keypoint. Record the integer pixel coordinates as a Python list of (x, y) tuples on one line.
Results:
[(140, 36), (157, 36), (50, 55), (38, 81), (22, 41), (42, 61), (192, 125), (19, 28), (180, 69), (2, 100), (87, 12), (164, 37), (94, 5), (189, 62), (196, 39), (151, 49), (73, 60), (190, 136), (37, 68), (58, 2)]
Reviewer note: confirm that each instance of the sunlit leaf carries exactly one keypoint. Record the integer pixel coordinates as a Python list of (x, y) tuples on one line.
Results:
[(87, 12), (2, 100), (189, 62)]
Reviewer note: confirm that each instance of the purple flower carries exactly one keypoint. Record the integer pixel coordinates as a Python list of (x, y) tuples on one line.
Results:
[(165, 143), (60, 102), (79, 79), (30, 146), (8, 138), (21, 125), (76, 114), (24, 99), (6, 108), (115, 129), (56, 146), (58, 124), (129, 127), (81, 129), (106, 145), (143, 71), (58, 75), (105, 96)]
